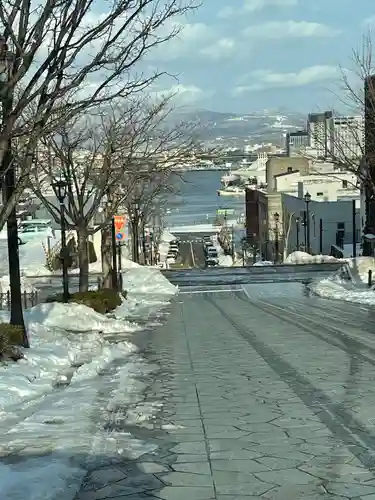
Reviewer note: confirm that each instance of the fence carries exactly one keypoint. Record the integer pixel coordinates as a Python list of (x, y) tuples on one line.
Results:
[(29, 299)]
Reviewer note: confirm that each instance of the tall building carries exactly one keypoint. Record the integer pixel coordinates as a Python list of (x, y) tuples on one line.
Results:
[(349, 137), (295, 142), (320, 128)]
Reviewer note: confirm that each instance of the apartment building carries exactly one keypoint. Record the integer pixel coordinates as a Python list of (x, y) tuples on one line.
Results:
[(320, 128), (349, 138)]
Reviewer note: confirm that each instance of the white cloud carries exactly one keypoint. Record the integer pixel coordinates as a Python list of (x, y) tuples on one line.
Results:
[(194, 39), (289, 29), (186, 44), (223, 48), (255, 5), (183, 94), (266, 79), (369, 21)]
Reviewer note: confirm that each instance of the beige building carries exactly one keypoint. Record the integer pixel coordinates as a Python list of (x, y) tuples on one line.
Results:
[(284, 165)]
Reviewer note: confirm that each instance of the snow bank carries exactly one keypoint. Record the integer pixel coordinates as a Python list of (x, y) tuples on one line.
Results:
[(261, 263), (52, 414), (224, 260), (349, 284), (306, 258), (147, 280), (53, 351), (32, 258), (165, 239)]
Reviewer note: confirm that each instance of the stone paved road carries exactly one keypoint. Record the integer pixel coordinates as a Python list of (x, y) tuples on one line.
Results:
[(268, 393)]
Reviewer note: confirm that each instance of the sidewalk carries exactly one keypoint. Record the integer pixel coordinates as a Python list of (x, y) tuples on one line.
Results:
[(232, 425)]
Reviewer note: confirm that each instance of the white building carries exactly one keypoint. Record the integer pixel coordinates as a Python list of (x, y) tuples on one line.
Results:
[(333, 186), (349, 137), (320, 129)]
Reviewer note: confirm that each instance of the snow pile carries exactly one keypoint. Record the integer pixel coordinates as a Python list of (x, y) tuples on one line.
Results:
[(32, 258), (165, 239), (54, 352), (349, 284), (147, 280), (224, 260), (305, 258), (54, 440), (261, 263)]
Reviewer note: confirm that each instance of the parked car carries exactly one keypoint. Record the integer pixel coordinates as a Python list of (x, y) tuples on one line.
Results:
[(211, 252), (174, 247), (171, 258), (211, 262), (175, 242), (208, 244)]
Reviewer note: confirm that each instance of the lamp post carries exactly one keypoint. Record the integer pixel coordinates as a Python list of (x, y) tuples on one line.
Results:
[(60, 187), (8, 173), (276, 217), (298, 221), (307, 199), (135, 227)]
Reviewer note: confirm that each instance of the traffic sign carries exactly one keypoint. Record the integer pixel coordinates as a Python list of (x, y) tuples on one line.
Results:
[(119, 222), (225, 211)]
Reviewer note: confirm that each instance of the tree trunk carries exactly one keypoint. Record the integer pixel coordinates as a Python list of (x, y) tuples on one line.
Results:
[(83, 259), (106, 251)]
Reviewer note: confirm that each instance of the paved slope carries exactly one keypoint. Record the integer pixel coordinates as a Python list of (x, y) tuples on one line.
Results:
[(268, 393)]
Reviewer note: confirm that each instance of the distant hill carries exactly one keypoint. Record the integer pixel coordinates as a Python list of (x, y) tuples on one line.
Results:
[(260, 125)]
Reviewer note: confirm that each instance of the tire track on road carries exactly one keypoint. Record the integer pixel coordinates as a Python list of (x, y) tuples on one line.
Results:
[(351, 432), (335, 336)]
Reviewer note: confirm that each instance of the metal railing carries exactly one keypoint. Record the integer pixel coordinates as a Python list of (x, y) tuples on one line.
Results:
[(29, 299)]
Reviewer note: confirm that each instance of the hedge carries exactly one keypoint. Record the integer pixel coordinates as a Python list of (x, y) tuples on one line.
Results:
[(102, 301), (11, 338)]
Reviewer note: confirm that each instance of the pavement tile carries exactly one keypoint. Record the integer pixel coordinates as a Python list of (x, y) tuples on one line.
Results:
[(183, 493), (242, 414)]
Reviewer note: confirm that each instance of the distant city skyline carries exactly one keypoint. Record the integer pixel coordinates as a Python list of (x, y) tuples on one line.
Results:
[(258, 54)]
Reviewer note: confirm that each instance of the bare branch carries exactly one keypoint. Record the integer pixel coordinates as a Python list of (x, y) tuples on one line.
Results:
[(71, 57)]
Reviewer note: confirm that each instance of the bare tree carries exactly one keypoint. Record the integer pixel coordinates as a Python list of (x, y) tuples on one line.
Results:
[(351, 144), (67, 57), (149, 195), (104, 159)]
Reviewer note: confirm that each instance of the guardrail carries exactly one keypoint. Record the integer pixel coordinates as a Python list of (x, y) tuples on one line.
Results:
[(276, 269)]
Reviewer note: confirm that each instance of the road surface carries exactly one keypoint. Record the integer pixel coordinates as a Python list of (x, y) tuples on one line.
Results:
[(191, 250), (267, 393)]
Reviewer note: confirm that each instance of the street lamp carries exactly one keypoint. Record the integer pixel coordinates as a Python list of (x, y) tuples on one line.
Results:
[(135, 224), (298, 221), (276, 217), (60, 188), (8, 174), (307, 199)]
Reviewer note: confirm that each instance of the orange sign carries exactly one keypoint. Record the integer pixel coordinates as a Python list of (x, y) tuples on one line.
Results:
[(119, 221)]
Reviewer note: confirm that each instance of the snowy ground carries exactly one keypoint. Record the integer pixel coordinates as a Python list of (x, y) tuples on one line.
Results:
[(81, 366), (350, 284)]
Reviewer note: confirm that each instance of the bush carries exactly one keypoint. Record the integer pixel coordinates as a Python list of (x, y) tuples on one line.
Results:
[(102, 301), (11, 337)]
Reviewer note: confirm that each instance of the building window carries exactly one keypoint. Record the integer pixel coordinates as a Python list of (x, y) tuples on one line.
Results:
[(340, 234), (344, 184), (319, 194)]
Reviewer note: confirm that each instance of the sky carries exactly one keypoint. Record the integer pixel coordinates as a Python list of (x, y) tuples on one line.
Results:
[(245, 55)]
